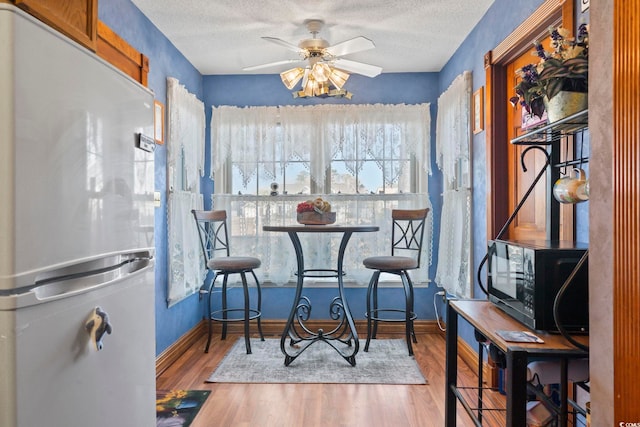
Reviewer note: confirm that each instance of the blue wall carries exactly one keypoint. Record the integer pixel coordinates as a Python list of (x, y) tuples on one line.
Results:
[(164, 61), (243, 90)]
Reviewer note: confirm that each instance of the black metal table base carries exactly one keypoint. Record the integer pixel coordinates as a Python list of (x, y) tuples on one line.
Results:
[(298, 335)]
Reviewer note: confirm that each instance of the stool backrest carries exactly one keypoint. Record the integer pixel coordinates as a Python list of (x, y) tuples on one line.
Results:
[(212, 229), (407, 232)]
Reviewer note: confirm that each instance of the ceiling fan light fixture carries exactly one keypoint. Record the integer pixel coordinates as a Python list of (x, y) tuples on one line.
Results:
[(340, 93), (338, 77), (291, 77), (322, 89), (319, 80), (321, 72), (319, 77), (309, 89)]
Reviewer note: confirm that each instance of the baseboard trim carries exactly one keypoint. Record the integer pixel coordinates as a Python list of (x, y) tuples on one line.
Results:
[(470, 357), (177, 349), (273, 328)]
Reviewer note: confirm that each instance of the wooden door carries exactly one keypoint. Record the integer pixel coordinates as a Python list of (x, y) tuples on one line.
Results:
[(532, 221)]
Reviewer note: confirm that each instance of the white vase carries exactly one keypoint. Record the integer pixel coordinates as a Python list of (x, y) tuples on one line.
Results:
[(565, 104)]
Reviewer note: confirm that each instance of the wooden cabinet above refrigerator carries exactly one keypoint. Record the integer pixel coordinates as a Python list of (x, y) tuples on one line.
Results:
[(78, 19)]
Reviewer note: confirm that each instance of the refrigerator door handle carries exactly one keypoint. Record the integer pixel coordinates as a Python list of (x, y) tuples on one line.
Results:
[(75, 284), (91, 268)]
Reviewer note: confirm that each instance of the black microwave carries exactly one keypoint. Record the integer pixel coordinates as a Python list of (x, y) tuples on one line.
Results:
[(524, 278)]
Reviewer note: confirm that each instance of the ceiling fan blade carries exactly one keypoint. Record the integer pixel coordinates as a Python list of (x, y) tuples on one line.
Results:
[(357, 67), (357, 44), (281, 42), (271, 64)]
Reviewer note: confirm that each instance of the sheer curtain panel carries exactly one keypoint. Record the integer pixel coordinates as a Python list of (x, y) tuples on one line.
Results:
[(453, 141), (185, 166), (254, 137)]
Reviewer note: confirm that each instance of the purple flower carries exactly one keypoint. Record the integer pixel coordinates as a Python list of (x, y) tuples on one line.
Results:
[(530, 73), (540, 51), (582, 31)]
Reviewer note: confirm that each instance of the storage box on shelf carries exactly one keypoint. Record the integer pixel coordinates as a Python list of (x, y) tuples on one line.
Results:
[(553, 132)]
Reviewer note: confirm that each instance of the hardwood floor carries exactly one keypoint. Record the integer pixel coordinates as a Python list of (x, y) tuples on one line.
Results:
[(311, 405)]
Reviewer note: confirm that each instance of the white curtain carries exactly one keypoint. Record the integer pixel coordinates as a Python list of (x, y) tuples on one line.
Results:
[(185, 158), (245, 133), (248, 135), (186, 270), (248, 214), (185, 166), (453, 139), (454, 248)]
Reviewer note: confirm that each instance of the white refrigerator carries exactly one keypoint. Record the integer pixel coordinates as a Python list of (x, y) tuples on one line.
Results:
[(77, 325)]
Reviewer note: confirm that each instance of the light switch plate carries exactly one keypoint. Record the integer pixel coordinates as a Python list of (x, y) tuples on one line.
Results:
[(156, 199), (146, 143), (585, 5)]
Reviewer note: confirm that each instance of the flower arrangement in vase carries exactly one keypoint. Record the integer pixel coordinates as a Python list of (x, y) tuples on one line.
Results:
[(315, 212), (563, 71)]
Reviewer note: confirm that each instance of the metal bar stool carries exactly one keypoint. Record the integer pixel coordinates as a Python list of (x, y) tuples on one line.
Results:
[(406, 238), (214, 240)]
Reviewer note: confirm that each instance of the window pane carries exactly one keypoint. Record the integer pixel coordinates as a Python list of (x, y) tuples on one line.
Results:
[(238, 187), (401, 170), (297, 178), (370, 179), (266, 178), (341, 179)]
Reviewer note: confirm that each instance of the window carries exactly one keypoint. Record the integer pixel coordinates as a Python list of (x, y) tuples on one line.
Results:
[(324, 149), (365, 159), (293, 176)]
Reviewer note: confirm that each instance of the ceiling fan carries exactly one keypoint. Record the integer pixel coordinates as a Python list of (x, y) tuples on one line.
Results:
[(321, 63)]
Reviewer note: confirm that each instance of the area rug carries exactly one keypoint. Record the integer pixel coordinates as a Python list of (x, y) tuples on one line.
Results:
[(178, 408), (386, 362)]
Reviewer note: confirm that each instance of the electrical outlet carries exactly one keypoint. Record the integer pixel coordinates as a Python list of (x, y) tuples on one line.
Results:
[(202, 292), (443, 295)]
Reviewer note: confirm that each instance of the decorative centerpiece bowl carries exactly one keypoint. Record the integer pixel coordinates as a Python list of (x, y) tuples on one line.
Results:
[(315, 218), (315, 212)]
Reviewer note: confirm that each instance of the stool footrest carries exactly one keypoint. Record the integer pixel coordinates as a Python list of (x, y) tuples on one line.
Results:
[(375, 315), (320, 273), (217, 315)]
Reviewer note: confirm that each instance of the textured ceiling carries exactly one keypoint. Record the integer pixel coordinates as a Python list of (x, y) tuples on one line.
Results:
[(224, 36)]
